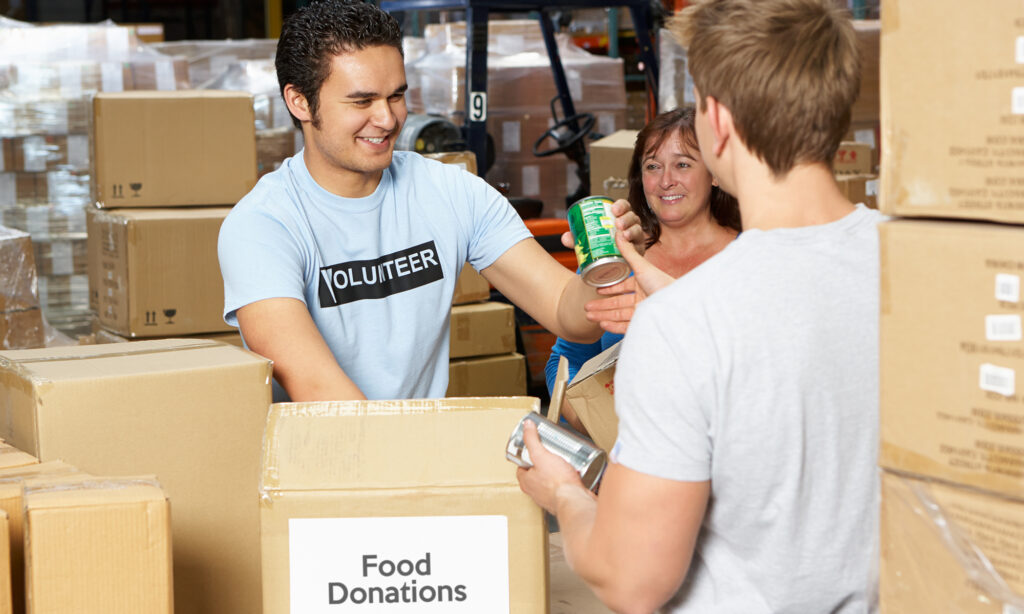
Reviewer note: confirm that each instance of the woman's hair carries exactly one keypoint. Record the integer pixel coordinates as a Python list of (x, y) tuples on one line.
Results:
[(724, 207)]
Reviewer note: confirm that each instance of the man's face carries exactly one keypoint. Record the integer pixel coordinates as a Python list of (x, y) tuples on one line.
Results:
[(361, 111)]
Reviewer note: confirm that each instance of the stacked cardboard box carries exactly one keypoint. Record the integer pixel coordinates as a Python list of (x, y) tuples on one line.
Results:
[(483, 360), (190, 412), (21, 323), (400, 502), (162, 191), (520, 88), (952, 418), (47, 76)]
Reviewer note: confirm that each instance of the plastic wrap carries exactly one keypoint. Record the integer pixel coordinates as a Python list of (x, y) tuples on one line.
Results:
[(21, 323), (675, 85), (949, 548), (207, 60)]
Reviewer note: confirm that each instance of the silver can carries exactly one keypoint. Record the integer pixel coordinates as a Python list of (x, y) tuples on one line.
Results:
[(588, 460)]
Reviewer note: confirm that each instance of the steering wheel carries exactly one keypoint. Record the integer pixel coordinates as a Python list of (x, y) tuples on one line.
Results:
[(565, 141)]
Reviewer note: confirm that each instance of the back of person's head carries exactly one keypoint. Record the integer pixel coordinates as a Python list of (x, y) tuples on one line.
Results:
[(787, 70), (313, 35), (724, 207)]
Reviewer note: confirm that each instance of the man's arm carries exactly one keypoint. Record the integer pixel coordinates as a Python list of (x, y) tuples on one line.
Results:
[(282, 330), (633, 544)]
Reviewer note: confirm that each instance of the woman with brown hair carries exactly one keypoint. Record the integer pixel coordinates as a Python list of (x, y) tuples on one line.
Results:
[(686, 216)]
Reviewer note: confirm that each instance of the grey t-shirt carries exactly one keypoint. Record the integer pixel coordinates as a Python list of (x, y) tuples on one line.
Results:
[(758, 371)]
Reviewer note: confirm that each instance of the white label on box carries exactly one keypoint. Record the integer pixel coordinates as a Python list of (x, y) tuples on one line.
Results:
[(60, 255), (865, 136), (8, 194), (1001, 380), (575, 84), (78, 151), (164, 76), (606, 123), (1004, 327), (572, 180), (70, 80), (1020, 49), (37, 221), (1018, 101), (531, 180), (112, 75), (871, 187), (428, 565), (43, 284), (1007, 288), (510, 136)]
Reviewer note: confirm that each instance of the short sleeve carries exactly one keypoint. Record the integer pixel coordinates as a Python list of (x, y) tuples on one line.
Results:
[(664, 396), (496, 225), (259, 259)]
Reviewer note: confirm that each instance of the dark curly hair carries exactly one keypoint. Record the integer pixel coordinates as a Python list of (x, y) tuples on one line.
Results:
[(724, 207), (314, 34)]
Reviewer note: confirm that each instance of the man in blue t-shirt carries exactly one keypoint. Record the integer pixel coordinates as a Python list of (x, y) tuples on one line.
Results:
[(341, 265)]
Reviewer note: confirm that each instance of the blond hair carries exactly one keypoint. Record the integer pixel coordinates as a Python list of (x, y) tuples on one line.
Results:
[(787, 70)]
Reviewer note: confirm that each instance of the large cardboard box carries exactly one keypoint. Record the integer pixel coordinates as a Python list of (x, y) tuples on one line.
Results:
[(867, 106), (22, 328), (17, 271), (12, 500), (190, 412), (13, 457), (951, 134), (609, 164), (470, 287), (859, 189), (97, 546), (852, 158), (482, 329), (951, 349), (375, 502), (949, 549), (160, 148), (102, 335), (155, 273), (491, 376), (591, 394)]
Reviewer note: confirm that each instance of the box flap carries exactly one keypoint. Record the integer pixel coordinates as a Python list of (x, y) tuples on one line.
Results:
[(558, 390), (80, 490), (390, 444), (597, 364)]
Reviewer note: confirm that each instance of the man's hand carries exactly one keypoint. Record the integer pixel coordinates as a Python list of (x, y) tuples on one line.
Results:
[(627, 224), (549, 472), (615, 311)]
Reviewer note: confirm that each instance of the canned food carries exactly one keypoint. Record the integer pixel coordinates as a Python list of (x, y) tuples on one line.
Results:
[(588, 461), (593, 230)]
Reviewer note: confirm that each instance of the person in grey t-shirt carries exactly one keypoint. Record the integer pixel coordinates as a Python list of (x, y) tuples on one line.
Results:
[(743, 478)]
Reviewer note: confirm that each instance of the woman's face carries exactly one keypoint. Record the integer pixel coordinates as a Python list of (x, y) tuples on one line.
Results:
[(676, 182)]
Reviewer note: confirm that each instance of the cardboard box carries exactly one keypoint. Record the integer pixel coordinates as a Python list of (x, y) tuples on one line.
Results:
[(12, 483), (852, 158), (867, 107), (470, 287), (482, 329), (949, 549), (97, 546), (609, 164), (399, 500), (11, 457), (952, 137), (101, 335), (951, 350), (160, 149), (17, 271), (190, 412), (491, 376), (464, 159), (859, 189), (591, 394), (155, 273), (21, 329)]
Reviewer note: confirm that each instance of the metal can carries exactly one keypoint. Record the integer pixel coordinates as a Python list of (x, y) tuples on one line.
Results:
[(593, 230), (588, 460)]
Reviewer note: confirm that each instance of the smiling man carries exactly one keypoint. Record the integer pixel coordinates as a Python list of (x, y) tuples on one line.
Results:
[(340, 266)]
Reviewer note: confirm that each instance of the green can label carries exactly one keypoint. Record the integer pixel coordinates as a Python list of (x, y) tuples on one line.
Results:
[(593, 229)]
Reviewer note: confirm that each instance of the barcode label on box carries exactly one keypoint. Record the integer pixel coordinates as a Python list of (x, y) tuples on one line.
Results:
[(510, 136), (1004, 327), (1000, 380), (1007, 288), (1018, 101)]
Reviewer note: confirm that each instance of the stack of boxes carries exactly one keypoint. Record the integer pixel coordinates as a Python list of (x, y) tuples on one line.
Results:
[(21, 322), (162, 191), (952, 418), (520, 88), (47, 76)]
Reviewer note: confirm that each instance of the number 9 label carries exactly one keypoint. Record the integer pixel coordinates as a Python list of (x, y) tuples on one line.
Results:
[(478, 106)]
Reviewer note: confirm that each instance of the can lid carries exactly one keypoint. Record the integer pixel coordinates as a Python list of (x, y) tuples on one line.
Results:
[(606, 273)]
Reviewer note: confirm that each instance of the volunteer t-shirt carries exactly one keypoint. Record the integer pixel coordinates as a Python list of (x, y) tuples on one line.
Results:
[(376, 273)]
